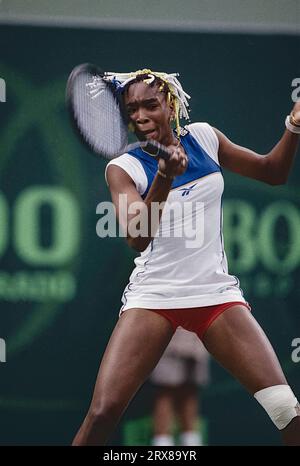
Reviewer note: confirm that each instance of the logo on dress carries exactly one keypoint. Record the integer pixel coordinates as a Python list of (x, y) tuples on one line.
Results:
[(186, 191)]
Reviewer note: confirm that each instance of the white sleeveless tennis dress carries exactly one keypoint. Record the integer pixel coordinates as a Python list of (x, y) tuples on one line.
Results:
[(189, 268)]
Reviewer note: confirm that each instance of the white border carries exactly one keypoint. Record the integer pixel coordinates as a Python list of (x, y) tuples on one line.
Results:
[(152, 25)]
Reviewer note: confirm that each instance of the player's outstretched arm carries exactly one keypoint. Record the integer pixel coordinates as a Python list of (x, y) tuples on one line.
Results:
[(272, 168)]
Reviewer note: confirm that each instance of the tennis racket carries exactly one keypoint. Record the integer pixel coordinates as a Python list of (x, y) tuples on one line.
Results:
[(98, 115)]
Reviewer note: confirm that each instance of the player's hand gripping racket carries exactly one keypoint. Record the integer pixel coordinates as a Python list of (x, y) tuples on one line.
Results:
[(98, 116)]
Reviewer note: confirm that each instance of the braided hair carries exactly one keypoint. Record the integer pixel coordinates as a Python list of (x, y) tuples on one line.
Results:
[(166, 83)]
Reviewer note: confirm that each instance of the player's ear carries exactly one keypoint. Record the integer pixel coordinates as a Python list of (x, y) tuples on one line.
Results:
[(171, 104), (172, 115)]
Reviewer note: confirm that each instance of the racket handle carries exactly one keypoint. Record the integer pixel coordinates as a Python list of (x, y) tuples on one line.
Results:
[(156, 149)]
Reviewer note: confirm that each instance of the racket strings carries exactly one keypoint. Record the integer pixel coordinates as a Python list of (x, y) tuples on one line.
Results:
[(98, 115), (95, 107)]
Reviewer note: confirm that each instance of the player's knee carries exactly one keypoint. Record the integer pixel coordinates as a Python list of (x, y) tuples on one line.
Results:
[(280, 403), (105, 411)]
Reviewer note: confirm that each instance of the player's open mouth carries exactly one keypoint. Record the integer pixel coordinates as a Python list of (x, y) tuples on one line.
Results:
[(150, 134)]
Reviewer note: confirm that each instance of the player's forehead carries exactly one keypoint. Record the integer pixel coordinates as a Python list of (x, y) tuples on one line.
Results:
[(140, 91)]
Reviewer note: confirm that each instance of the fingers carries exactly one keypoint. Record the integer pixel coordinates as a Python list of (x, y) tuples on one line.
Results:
[(176, 164), (177, 159), (296, 116), (184, 161), (181, 157), (296, 111)]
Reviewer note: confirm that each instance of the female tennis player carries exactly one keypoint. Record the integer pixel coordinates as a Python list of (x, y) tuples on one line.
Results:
[(181, 276)]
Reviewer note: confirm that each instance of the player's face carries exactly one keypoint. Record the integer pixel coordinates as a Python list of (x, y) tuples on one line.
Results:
[(149, 112)]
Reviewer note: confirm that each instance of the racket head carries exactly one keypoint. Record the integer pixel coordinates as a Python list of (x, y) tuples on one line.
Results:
[(96, 111)]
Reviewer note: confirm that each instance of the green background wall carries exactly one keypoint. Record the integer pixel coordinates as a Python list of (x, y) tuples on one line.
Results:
[(60, 285)]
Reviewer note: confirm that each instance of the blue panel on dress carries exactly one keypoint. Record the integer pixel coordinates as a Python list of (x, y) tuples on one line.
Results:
[(200, 163)]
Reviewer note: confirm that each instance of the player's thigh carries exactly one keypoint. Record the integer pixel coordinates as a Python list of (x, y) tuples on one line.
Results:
[(239, 344), (136, 344)]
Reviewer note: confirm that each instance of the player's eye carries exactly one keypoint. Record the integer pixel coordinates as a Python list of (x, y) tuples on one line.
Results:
[(131, 110)]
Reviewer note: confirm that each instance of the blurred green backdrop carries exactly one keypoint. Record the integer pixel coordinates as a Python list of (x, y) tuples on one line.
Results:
[(60, 285)]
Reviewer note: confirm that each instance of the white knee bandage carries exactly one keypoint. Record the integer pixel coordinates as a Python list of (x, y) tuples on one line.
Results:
[(280, 403)]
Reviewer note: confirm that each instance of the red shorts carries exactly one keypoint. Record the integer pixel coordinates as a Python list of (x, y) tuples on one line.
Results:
[(196, 319)]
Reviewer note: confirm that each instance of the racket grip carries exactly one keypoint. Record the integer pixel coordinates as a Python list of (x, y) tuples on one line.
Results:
[(156, 149)]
